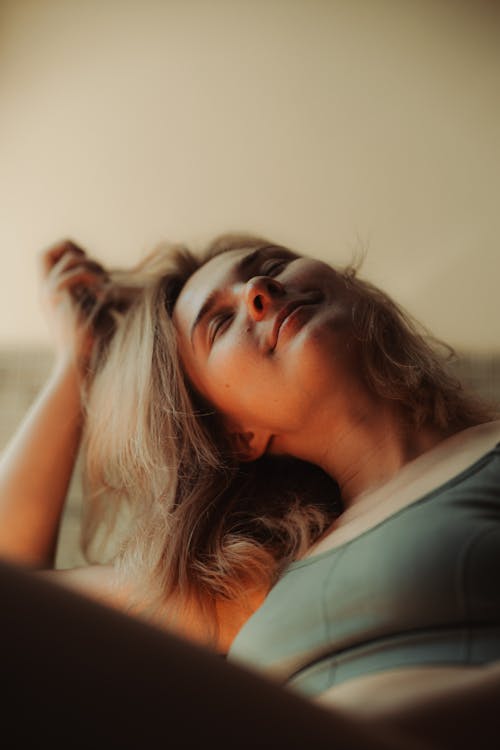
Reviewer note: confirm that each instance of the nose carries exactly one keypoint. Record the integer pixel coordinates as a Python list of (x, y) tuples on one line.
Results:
[(260, 293)]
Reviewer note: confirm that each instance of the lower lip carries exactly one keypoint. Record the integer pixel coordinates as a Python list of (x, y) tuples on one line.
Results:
[(294, 322)]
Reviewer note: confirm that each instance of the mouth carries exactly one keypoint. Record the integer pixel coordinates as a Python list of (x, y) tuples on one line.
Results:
[(285, 313)]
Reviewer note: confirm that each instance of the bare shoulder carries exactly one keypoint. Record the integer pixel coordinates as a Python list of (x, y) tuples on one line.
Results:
[(99, 582)]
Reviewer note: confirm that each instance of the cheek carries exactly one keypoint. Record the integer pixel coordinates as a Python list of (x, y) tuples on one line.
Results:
[(240, 385), (232, 371)]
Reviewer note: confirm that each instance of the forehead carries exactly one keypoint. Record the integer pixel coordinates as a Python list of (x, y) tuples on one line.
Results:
[(210, 277)]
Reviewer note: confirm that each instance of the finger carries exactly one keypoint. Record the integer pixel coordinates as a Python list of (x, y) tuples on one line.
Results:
[(72, 260), (50, 256), (78, 278), (85, 298)]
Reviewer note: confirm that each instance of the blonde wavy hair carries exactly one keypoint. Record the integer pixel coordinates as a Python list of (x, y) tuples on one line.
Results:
[(199, 527), (191, 526)]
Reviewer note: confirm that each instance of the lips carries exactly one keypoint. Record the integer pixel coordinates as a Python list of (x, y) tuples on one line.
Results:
[(286, 311)]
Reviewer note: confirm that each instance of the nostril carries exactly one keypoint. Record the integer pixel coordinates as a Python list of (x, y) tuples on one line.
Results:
[(259, 293), (258, 304)]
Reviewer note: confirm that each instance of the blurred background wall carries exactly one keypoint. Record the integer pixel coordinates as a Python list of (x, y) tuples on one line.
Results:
[(332, 126)]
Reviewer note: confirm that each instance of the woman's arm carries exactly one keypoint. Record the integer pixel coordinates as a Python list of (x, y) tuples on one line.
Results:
[(36, 470), (36, 467)]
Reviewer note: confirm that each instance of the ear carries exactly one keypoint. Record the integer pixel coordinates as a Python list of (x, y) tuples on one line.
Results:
[(248, 445)]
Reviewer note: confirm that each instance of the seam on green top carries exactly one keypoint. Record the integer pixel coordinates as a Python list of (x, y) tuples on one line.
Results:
[(479, 464)]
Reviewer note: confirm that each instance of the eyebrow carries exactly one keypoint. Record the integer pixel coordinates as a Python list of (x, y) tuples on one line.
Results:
[(248, 261)]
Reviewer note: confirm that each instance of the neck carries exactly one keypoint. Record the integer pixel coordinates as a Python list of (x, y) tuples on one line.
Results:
[(366, 447)]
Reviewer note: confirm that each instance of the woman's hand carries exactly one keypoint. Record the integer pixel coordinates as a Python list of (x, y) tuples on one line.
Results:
[(36, 466), (71, 286)]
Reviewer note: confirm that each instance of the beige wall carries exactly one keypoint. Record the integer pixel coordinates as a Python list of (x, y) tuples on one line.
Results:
[(322, 124)]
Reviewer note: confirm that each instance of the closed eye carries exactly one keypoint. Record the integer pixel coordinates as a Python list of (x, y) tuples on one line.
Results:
[(273, 266), (218, 325)]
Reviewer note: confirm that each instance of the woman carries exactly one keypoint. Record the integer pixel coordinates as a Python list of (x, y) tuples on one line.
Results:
[(280, 356)]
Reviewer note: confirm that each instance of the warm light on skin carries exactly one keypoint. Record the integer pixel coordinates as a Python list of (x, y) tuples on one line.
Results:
[(226, 321), (306, 397)]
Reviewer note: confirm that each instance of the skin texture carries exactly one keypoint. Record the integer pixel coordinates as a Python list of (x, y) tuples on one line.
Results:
[(300, 392), (265, 383)]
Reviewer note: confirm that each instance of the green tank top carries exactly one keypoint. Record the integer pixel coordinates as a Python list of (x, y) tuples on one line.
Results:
[(422, 587)]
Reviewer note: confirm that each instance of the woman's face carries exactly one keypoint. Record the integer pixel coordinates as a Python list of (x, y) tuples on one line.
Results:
[(264, 336)]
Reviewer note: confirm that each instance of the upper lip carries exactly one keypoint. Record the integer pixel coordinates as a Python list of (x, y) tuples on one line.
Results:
[(285, 311)]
